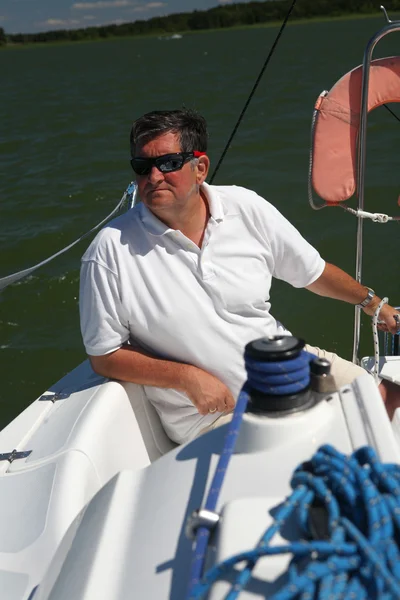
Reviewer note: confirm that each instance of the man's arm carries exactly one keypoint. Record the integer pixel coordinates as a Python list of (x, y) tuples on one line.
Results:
[(103, 318), (206, 391), (337, 284)]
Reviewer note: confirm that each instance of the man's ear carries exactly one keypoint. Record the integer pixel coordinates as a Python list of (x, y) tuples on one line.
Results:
[(203, 166)]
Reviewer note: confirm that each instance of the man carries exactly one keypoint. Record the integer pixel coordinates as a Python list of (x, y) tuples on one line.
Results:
[(173, 290)]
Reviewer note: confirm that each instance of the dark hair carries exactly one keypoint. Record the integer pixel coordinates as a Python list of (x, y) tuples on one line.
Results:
[(190, 126)]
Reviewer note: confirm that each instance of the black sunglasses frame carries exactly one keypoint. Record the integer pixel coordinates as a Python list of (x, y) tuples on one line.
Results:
[(157, 161)]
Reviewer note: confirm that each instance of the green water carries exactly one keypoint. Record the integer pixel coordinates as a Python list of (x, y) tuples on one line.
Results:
[(65, 116)]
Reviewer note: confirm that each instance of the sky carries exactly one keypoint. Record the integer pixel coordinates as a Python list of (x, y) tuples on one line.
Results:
[(31, 16)]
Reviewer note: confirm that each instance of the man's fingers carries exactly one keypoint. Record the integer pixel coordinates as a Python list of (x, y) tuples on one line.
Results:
[(214, 406), (389, 320), (220, 404), (391, 323), (212, 396), (391, 328), (230, 403), (209, 408), (203, 408)]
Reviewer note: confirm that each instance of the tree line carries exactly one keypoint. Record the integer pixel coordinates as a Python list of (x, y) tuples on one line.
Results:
[(228, 15)]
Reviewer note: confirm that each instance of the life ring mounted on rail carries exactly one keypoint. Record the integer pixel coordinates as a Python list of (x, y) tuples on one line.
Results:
[(335, 137)]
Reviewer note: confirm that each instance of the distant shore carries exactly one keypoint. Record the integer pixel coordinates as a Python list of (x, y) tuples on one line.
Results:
[(269, 24), (351, 17)]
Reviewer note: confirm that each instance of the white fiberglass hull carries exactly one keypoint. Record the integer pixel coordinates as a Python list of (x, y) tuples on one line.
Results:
[(94, 503)]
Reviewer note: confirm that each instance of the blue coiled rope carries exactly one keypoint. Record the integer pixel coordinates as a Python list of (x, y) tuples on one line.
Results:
[(273, 378), (360, 556), (279, 378)]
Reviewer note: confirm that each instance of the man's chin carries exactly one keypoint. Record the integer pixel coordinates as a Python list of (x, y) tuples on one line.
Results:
[(158, 206), (158, 197)]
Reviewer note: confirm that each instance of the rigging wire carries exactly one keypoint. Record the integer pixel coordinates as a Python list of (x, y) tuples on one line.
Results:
[(391, 112), (8, 280), (128, 199), (255, 86)]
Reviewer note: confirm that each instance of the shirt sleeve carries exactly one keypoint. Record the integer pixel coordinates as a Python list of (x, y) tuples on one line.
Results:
[(296, 261), (103, 326)]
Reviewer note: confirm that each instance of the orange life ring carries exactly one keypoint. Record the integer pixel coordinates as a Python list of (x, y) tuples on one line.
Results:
[(334, 166)]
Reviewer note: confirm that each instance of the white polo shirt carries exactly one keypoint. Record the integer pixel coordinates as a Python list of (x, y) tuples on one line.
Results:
[(148, 284)]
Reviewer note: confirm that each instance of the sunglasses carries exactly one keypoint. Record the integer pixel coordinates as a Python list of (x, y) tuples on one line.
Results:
[(165, 163)]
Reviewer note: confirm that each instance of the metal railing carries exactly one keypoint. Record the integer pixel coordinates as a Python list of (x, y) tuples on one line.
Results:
[(361, 162)]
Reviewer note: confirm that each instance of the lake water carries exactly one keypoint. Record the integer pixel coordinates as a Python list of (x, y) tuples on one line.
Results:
[(65, 116)]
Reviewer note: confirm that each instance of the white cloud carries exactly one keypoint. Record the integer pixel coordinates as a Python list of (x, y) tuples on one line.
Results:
[(101, 4), (225, 1), (149, 6), (88, 17), (2, 18), (60, 22)]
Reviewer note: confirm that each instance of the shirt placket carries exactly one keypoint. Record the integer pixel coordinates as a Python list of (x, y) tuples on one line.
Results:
[(205, 263), (187, 245)]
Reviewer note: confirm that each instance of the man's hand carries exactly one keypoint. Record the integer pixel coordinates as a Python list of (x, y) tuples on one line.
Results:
[(208, 394), (388, 319)]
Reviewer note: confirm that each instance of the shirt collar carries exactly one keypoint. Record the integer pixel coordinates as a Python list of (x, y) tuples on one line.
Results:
[(156, 227), (153, 225), (214, 202)]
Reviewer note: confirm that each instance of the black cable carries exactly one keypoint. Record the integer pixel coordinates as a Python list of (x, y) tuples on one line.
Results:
[(253, 90), (391, 112)]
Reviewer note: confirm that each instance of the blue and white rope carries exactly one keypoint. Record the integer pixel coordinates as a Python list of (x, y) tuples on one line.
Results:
[(376, 338), (361, 557)]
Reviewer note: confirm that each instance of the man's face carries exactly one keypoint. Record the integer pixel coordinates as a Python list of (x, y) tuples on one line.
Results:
[(165, 191)]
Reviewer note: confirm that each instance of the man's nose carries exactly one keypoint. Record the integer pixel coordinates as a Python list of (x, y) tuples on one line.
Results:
[(155, 175)]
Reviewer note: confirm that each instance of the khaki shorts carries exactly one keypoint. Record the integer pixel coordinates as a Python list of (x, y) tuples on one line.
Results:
[(343, 371)]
